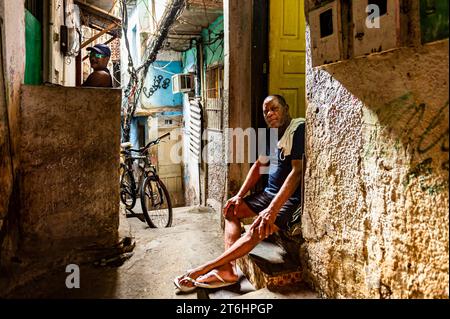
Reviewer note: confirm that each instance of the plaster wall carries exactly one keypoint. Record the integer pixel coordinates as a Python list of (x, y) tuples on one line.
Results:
[(12, 20), (376, 187), (217, 169), (62, 69), (158, 85), (69, 190)]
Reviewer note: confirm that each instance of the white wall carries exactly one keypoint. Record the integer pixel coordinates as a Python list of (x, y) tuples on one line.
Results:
[(62, 69)]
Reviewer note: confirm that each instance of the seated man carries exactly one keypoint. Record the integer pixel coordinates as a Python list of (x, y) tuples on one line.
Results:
[(274, 206), (99, 58)]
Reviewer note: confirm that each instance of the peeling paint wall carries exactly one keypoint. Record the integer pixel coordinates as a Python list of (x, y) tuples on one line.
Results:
[(62, 69), (376, 187)]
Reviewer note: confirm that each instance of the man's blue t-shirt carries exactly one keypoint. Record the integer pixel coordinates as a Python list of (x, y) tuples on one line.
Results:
[(280, 165)]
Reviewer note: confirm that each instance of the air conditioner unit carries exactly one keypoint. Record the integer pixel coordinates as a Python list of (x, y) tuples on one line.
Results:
[(182, 83)]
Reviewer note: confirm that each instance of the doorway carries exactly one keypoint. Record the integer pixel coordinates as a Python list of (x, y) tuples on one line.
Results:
[(34, 15), (287, 53)]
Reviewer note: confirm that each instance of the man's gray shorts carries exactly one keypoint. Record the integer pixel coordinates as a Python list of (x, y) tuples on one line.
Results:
[(259, 201)]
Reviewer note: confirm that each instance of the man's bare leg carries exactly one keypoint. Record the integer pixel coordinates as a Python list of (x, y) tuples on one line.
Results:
[(240, 248), (232, 234)]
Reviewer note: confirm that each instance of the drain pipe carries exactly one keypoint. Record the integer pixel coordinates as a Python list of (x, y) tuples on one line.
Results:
[(64, 71), (198, 96)]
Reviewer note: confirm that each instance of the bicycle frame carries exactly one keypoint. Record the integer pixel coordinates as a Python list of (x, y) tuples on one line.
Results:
[(148, 168)]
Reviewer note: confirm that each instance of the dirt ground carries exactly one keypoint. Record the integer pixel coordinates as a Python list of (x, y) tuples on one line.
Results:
[(159, 256)]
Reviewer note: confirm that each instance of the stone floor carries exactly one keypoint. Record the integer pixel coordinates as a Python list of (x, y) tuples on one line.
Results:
[(159, 255)]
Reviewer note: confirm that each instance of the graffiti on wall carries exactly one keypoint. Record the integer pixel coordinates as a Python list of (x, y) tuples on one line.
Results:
[(158, 83), (427, 141)]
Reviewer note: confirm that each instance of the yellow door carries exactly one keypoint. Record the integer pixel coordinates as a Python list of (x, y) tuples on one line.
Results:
[(287, 53)]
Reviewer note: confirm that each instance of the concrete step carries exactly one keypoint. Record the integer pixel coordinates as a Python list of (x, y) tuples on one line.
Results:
[(273, 263)]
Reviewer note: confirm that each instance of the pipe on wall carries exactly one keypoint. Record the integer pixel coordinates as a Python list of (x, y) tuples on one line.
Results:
[(48, 35)]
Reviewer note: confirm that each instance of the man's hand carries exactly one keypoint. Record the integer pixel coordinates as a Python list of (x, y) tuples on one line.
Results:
[(264, 224), (233, 203)]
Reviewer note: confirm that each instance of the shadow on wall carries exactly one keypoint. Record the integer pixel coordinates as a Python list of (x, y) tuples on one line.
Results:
[(377, 181), (406, 96)]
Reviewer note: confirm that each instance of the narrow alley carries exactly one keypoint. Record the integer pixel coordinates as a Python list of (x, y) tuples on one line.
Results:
[(148, 271), (305, 142)]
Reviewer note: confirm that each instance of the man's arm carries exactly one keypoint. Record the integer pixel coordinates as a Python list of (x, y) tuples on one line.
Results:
[(251, 179)]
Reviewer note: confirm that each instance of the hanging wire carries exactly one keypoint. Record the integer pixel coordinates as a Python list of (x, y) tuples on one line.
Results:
[(138, 74)]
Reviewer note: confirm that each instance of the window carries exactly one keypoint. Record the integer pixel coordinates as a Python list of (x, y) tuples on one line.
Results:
[(214, 82), (214, 97), (141, 134), (326, 23)]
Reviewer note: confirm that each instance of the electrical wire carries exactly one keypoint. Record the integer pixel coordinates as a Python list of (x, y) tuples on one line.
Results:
[(138, 74)]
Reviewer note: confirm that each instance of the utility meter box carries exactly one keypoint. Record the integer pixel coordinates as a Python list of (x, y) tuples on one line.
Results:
[(379, 25), (326, 33), (182, 83)]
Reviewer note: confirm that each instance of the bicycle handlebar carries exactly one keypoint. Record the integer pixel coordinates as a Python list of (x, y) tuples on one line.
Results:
[(143, 149), (151, 143)]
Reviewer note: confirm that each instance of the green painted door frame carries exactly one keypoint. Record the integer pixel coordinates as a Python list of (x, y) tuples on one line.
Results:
[(33, 44)]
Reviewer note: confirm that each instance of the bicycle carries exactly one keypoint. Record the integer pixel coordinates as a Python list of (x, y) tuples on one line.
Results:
[(155, 200)]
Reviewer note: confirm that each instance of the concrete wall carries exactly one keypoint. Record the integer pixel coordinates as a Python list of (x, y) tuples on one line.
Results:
[(376, 188), (69, 178), (6, 171), (12, 21), (217, 170), (162, 95), (215, 140)]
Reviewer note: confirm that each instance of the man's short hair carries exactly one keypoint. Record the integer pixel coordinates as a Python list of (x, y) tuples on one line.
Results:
[(280, 99)]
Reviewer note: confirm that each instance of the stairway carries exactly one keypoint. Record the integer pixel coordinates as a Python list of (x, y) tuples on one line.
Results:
[(270, 271), (270, 265)]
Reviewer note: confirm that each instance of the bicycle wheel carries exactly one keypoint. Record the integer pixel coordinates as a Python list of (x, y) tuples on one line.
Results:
[(156, 204), (138, 173), (127, 189)]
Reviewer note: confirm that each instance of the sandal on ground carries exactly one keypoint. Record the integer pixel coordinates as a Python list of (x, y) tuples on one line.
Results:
[(217, 284), (184, 288)]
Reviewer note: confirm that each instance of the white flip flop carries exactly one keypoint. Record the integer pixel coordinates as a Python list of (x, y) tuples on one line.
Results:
[(182, 288), (221, 283)]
